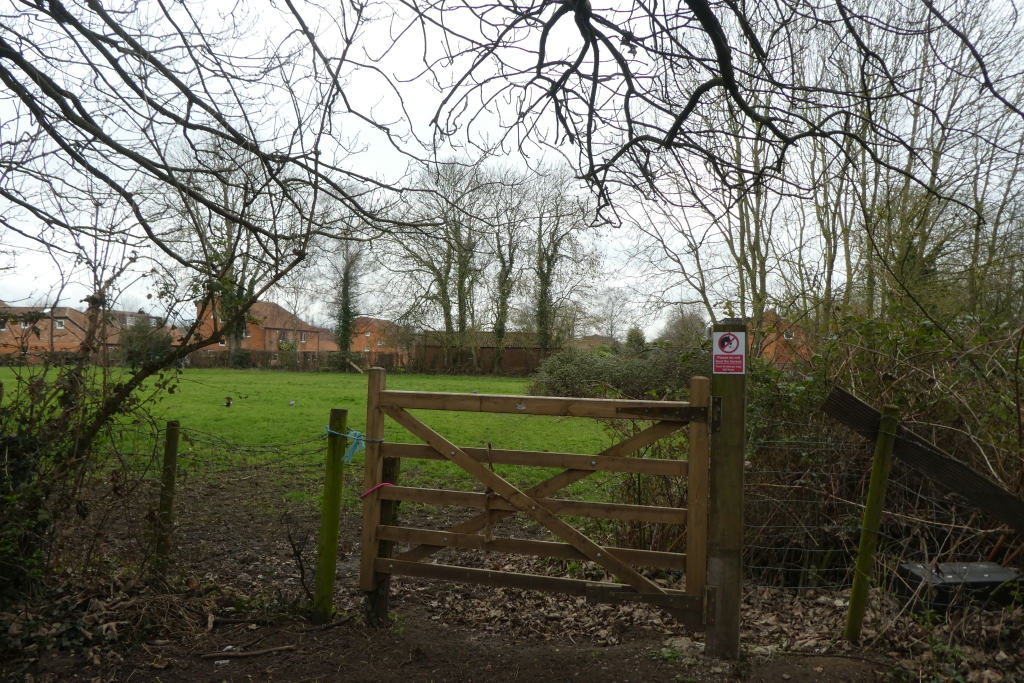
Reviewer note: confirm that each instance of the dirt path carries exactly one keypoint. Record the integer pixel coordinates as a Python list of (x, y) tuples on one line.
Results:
[(417, 648), (234, 560)]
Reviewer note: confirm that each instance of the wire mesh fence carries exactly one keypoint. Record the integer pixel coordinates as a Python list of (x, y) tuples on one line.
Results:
[(804, 499), (803, 516)]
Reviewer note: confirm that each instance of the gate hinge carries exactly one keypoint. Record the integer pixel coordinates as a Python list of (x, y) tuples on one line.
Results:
[(716, 414)]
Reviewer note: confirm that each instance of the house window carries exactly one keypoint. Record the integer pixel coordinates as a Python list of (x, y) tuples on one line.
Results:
[(24, 326), (367, 333), (130, 320), (282, 336), (367, 349), (303, 338), (3, 323), (380, 342), (222, 343), (788, 334), (247, 333), (59, 324)]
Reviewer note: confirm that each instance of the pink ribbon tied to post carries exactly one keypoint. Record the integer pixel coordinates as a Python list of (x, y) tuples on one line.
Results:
[(378, 486)]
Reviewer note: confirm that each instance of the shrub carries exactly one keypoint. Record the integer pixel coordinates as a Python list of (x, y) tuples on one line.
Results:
[(660, 372), (242, 360), (142, 343)]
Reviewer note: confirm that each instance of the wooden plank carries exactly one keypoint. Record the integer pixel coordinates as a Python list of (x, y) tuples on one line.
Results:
[(570, 508), (677, 411), (697, 493), (554, 484), (550, 584), (534, 507), (372, 473), (518, 546), (677, 601), (930, 460), (591, 463)]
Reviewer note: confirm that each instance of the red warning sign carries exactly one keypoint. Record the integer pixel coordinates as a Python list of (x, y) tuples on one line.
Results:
[(729, 353)]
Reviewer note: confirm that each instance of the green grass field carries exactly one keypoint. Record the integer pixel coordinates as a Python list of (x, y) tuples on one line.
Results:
[(260, 415)]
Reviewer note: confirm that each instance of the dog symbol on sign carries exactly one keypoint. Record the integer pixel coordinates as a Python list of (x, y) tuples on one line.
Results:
[(729, 343)]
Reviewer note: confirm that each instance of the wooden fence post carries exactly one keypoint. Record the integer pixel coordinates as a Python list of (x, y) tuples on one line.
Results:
[(378, 471), (725, 519), (165, 514), (697, 492), (330, 514), (880, 466)]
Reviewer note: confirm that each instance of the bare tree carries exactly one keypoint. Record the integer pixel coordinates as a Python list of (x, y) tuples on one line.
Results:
[(612, 314), (508, 237), (560, 216), (443, 267)]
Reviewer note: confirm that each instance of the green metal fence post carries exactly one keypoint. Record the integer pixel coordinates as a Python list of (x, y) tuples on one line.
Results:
[(880, 465), (330, 517), (165, 514)]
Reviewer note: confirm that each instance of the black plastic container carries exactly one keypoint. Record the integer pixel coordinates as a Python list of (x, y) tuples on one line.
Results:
[(939, 587)]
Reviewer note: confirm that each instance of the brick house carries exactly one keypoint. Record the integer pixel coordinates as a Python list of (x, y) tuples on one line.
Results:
[(379, 342), (33, 330), (269, 325), (783, 342)]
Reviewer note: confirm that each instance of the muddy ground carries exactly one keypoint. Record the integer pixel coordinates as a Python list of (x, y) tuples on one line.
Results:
[(232, 612)]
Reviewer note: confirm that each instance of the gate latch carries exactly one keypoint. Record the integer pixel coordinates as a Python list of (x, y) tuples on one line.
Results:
[(716, 414)]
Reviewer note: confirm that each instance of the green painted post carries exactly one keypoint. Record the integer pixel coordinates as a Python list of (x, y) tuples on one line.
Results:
[(330, 516), (725, 507), (165, 514), (880, 466)]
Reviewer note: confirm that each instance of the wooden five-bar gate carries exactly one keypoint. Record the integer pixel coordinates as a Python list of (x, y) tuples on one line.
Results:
[(694, 606)]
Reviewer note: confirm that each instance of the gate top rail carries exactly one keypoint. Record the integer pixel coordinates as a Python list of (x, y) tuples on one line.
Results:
[(673, 411)]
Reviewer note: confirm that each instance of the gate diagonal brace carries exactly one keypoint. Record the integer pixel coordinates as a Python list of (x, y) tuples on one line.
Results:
[(530, 506), (551, 486)]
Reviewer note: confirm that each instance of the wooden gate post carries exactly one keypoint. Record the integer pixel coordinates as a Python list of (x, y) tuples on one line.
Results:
[(880, 466), (725, 519), (330, 518), (375, 511), (697, 492), (165, 514)]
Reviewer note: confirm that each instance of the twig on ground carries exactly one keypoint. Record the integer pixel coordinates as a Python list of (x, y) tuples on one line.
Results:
[(324, 627), (239, 655), (252, 642), (226, 621), (297, 549)]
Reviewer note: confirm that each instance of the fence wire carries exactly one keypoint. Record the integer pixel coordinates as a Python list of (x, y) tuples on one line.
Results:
[(207, 453), (804, 507)]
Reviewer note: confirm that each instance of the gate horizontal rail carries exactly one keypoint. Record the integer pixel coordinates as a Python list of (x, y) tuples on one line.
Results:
[(521, 546), (545, 405), (575, 461), (559, 506)]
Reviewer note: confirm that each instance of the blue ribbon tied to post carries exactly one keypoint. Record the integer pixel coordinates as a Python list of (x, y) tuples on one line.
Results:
[(357, 442)]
